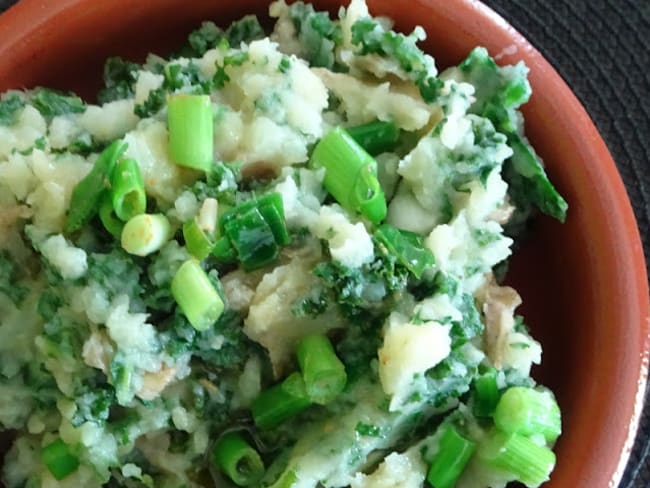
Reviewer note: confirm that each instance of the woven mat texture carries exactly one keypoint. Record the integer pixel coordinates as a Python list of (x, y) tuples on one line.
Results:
[(602, 50)]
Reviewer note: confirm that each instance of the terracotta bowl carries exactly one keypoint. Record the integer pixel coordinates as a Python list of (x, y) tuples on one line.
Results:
[(584, 283)]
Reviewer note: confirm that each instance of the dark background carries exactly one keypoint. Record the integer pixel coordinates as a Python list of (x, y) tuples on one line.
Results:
[(602, 50)]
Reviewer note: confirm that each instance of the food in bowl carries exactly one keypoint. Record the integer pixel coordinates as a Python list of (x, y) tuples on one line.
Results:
[(273, 261)]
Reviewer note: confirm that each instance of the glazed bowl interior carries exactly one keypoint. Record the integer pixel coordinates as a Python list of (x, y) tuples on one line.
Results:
[(583, 282)]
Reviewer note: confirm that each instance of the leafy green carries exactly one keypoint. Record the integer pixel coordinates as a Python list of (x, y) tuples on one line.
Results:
[(9, 279), (372, 38), (221, 77), (209, 36), (313, 304), (9, 108), (235, 347), (116, 272), (48, 304), (220, 183), (317, 33), (246, 29), (528, 182), (51, 103), (175, 77), (84, 145), (505, 87), (93, 405), (120, 77), (360, 291), (42, 383), (152, 105), (500, 91)]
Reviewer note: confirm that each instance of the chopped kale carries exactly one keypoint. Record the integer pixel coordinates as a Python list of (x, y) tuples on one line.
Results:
[(51, 103), (84, 145), (371, 38), (120, 77), (222, 347), (221, 77), (285, 65), (451, 378), (317, 33), (470, 325), (152, 105), (48, 304), (360, 291), (368, 430), (117, 273), (209, 36), (246, 29), (312, 305), (500, 91), (176, 77), (9, 108), (93, 405), (42, 383), (9, 279), (528, 183), (220, 183), (206, 37)]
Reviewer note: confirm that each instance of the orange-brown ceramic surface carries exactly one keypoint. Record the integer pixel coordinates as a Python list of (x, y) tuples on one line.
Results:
[(584, 283)]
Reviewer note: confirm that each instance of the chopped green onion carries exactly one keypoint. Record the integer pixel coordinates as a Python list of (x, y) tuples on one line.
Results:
[(407, 247), (107, 215), (275, 218), (528, 462), (527, 411), (223, 251), (255, 230), (145, 234), (196, 296), (86, 195), (197, 242), (351, 174), (323, 372), (191, 132), (127, 189), (375, 137), (280, 402), (287, 480), (59, 460), (253, 240), (453, 454), (274, 199), (486, 394), (238, 459)]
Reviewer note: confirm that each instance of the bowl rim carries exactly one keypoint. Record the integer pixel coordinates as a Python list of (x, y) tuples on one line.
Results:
[(26, 21)]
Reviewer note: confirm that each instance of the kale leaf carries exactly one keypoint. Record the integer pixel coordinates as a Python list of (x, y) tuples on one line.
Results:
[(246, 29), (209, 36), (371, 38), (9, 108), (221, 347), (117, 272), (51, 103), (9, 277), (120, 76), (220, 183), (176, 77), (361, 292), (317, 33), (500, 91)]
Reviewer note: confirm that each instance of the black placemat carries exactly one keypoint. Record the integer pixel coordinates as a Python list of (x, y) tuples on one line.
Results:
[(602, 49)]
